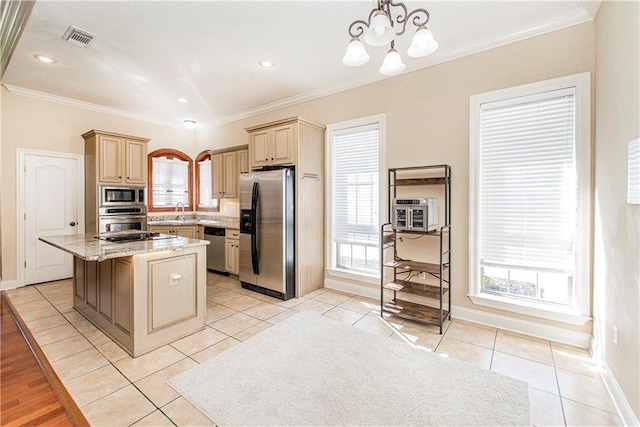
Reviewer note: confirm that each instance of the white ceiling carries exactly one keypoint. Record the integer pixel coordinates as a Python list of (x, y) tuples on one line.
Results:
[(148, 53)]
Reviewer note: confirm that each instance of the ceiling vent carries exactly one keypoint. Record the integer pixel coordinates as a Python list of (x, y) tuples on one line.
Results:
[(78, 37)]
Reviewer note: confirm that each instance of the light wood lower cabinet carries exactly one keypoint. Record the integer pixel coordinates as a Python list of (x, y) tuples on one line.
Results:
[(144, 301), (232, 252)]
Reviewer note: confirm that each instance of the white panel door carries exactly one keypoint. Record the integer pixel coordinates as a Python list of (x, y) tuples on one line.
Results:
[(51, 209)]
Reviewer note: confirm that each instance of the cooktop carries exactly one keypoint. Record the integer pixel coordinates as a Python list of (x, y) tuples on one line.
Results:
[(134, 237)]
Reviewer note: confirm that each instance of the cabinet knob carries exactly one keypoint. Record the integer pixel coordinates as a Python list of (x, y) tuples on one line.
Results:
[(73, 224), (266, 160), (119, 177), (272, 158)]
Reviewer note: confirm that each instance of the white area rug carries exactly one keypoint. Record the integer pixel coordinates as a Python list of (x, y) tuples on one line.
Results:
[(309, 370)]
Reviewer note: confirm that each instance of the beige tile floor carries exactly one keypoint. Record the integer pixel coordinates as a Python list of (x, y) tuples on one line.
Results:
[(113, 389)]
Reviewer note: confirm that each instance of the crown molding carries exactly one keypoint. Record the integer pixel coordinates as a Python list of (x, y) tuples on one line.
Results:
[(42, 96), (557, 22), (592, 7)]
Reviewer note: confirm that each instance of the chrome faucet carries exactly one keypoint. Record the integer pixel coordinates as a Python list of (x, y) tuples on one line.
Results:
[(177, 206)]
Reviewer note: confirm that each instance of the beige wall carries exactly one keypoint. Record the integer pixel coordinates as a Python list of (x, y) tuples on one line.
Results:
[(617, 228), (40, 125), (427, 116)]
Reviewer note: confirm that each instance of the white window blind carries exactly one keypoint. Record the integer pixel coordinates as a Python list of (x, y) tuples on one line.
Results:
[(355, 185), (528, 182), (204, 169), (170, 182)]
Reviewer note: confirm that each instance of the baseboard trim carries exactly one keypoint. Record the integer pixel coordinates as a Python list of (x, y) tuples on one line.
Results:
[(527, 327), (620, 401), (8, 284)]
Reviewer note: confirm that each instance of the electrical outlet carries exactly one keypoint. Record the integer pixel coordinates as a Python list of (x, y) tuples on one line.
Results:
[(615, 335), (422, 275)]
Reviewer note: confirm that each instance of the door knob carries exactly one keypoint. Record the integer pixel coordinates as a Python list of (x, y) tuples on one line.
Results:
[(73, 224)]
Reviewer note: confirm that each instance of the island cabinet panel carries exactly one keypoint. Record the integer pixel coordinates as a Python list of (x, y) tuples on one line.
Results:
[(78, 279), (123, 275), (172, 291), (105, 285), (91, 280)]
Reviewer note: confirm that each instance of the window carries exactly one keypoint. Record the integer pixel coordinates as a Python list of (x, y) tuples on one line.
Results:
[(170, 180), (204, 201), (529, 198), (354, 152)]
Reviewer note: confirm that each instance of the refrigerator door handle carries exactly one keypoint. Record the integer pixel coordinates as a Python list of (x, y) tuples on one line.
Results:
[(254, 228)]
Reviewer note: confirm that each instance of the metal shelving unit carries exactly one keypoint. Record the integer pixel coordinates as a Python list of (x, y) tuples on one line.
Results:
[(429, 306)]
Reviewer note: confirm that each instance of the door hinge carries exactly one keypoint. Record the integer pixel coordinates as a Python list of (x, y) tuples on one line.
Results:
[(25, 264), (25, 216)]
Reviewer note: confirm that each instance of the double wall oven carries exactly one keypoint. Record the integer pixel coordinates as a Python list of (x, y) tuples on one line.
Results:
[(121, 209)]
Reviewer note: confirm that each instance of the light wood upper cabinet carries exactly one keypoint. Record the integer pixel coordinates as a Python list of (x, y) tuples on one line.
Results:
[(135, 162), (224, 175), (230, 171), (110, 152), (217, 184), (272, 146), (243, 161), (115, 158)]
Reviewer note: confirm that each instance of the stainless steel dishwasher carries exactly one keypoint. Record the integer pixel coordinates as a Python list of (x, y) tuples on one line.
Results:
[(215, 249)]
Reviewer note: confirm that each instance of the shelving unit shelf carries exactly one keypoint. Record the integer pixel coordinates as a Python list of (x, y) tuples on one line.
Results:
[(427, 303)]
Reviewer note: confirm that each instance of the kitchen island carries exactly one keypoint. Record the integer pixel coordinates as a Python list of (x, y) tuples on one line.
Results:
[(142, 293)]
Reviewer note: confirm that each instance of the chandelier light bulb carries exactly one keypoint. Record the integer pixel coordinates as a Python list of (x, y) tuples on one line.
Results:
[(380, 31), (422, 44), (356, 54), (392, 63)]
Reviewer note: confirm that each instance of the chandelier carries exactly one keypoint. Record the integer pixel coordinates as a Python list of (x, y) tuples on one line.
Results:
[(381, 29)]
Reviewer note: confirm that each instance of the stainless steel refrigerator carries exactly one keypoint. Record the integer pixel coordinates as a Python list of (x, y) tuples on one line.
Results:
[(267, 261)]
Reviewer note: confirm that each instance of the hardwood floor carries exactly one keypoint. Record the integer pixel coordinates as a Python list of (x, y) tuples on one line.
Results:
[(27, 398)]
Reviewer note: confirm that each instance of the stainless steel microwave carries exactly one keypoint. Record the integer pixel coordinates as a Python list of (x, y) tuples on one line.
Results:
[(121, 196), (415, 214)]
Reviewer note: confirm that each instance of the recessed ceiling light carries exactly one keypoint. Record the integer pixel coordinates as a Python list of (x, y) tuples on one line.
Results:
[(190, 124), (45, 59), (183, 100), (266, 63)]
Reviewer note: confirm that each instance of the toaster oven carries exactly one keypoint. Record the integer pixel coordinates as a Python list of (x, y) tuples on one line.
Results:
[(415, 214)]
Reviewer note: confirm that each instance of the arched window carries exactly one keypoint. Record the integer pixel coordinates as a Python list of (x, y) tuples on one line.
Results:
[(204, 201), (170, 180)]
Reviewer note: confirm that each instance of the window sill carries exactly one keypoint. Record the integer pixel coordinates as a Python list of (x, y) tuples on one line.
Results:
[(352, 275), (530, 309)]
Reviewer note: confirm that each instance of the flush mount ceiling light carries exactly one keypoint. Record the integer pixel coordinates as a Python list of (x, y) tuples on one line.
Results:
[(380, 29), (190, 124), (266, 63), (45, 59)]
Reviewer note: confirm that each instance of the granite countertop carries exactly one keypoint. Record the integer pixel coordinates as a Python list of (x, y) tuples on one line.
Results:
[(90, 248), (204, 222)]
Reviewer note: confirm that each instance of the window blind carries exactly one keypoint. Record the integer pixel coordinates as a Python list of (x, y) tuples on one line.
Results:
[(528, 182), (204, 169), (170, 182), (356, 172)]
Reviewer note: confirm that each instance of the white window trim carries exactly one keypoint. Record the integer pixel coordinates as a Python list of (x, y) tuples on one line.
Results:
[(330, 268), (580, 312)]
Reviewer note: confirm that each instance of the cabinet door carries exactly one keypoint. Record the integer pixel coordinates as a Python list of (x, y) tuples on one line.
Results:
[(110, 158), (217, 177), (243, 161), (260, 149), (136, 162), (188, 231), (235, 259), (282, 141), (231, 256), (230, 171)]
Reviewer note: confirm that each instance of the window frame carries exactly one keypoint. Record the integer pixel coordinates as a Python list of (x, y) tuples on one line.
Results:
[(580, 310), (330, 250), (170, 154), (206, 154)]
